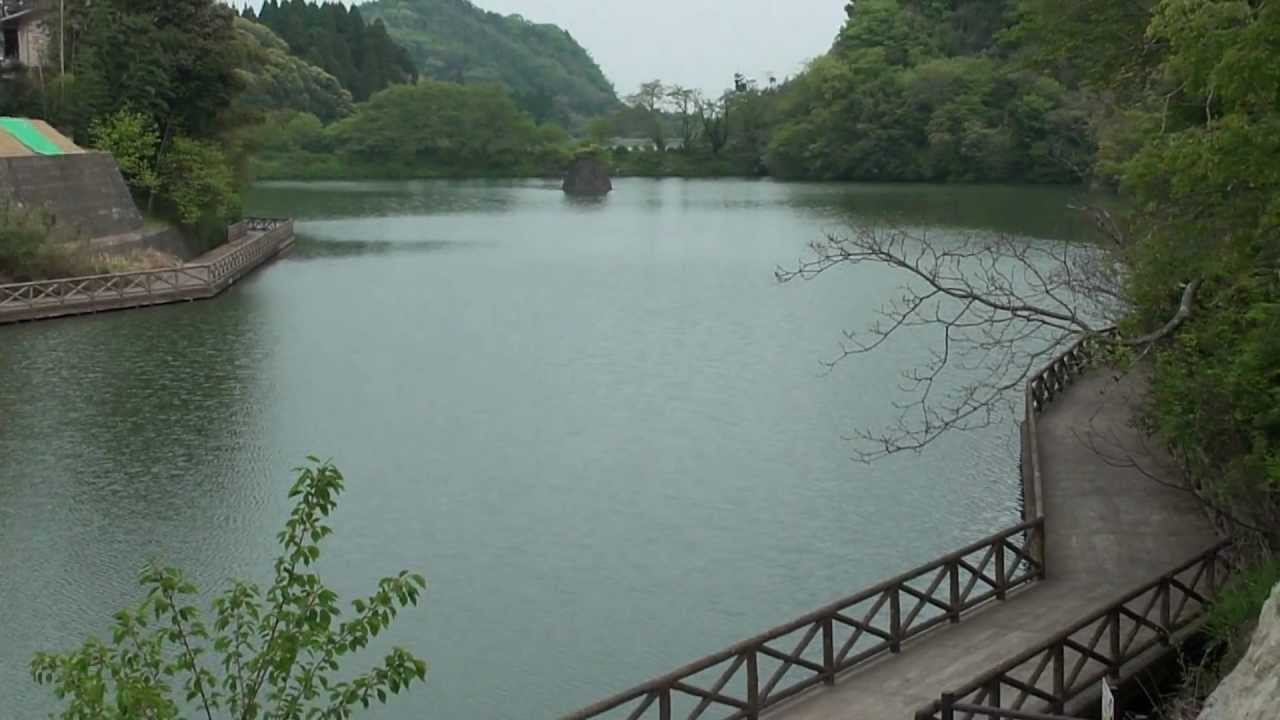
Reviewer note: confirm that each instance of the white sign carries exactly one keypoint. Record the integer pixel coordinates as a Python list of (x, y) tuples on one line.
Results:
[(1108, 701)]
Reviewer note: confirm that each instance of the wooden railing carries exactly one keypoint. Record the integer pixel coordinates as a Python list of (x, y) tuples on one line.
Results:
[(1042, 388), (763, 671), (142, 287), (1066, 670), (87, 288), (250, 254)]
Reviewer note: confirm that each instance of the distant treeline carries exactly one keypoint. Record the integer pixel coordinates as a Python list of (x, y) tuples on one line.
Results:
[(335, 38)]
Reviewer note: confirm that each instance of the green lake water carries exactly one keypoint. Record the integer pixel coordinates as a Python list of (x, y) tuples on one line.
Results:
[(600, 428)]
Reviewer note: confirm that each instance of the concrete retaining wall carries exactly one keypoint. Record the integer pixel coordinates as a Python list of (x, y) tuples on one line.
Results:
[(84, 191)]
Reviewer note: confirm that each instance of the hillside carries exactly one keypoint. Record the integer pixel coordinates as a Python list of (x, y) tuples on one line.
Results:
[(548, 72), (273, 79), (336, 38)]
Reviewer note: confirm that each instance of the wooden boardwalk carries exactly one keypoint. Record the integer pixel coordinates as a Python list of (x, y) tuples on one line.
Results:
[(1109, 528), (1126, 563), (250, 244)]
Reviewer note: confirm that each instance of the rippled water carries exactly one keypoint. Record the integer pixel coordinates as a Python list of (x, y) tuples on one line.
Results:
[(601, 429)]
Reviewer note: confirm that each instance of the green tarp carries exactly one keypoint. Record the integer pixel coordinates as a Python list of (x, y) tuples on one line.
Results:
[(28, 135)]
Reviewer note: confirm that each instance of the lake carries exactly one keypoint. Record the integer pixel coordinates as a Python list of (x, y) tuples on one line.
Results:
[(600, 428)]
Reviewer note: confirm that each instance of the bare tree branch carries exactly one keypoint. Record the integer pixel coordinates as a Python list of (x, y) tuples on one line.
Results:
[(997, 310)]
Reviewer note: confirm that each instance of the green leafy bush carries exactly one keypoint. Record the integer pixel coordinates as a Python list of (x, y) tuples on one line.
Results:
[(197, 179), (1240, 601), (132, 139), (271, 654), (34, 247)]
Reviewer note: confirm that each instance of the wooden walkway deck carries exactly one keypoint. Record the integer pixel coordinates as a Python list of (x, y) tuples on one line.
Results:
[(1109, 528), (1123, 561), (250, 244)]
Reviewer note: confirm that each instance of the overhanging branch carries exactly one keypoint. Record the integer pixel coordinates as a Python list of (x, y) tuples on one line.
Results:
[(1185, 310)]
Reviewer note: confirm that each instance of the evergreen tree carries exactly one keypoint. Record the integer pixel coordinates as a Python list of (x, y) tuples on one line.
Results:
[(335, 38)]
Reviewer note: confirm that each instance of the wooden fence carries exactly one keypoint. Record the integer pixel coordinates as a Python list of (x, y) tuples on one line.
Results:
[(1064, 673), (758, 673), (207, 277), (1041, 389)]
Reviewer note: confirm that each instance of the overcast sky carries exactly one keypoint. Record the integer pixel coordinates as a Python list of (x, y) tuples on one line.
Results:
[(699, 43)]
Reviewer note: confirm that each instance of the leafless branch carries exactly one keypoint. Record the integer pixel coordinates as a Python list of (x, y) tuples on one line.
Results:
[(996, 309)]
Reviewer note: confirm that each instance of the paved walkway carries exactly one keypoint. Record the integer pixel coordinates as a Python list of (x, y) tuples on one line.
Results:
[(1111, 524)]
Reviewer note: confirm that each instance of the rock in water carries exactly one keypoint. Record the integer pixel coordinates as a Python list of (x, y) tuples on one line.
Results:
[(588, 176), (1252, 690)]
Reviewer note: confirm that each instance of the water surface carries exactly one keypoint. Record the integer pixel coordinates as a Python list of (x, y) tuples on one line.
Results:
[(600, 428)]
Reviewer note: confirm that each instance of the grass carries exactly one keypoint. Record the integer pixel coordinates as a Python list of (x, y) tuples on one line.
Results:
[(1240, 601), (1229, 629)]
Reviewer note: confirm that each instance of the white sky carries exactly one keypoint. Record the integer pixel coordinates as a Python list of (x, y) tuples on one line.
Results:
[(698, 43)]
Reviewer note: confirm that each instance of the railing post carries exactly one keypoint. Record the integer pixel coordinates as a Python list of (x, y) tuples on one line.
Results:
[(1002, 582), (1116, 660), (993, 693), (1059, 678), (664, 704), (954, 571), (1039, 538), (828, 651), (948, 706), (895, 620), (1211, 574), (1166, 609), (752, 711)]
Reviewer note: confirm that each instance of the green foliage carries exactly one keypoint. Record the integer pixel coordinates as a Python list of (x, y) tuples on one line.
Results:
[(1185, 98), (431, 129), (1240, 600), (199, 182), (166, 59), (551, 76), (29, 247), (919, 91), (132, 140), (275, 80), (147, 78), (1097, 42), (254, 654), (1194, 148), (335, 38)]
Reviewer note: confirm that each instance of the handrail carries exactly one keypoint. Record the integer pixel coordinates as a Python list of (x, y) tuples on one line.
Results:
[(1042, 388), (182, 280), (937, 592), (1068, 667)]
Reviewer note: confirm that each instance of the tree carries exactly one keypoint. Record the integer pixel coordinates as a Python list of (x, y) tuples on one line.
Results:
[(600, 130), (684, 103), (275, 80), (650, 99), (714, 116), (336, 39), (197, 179), (1000, 309), (276, 652), (1183, 102), (132, 140), (166, 59)]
